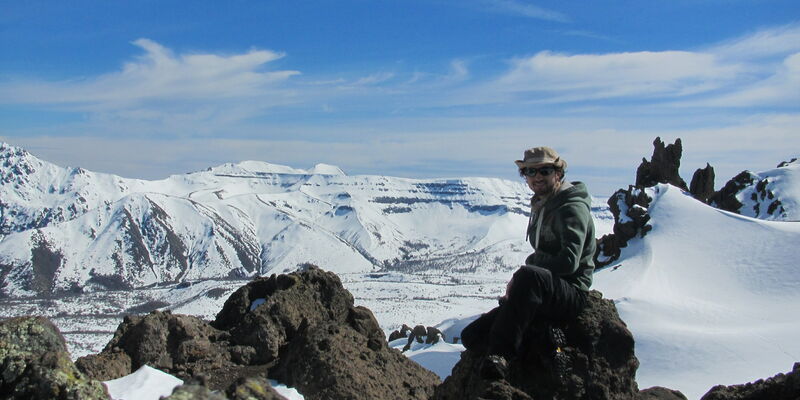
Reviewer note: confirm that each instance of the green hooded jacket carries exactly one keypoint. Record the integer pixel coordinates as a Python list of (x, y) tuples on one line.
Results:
[(566, 238)]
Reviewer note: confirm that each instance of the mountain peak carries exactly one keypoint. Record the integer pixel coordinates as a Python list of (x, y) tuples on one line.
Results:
[(252, 167), (326, 169)]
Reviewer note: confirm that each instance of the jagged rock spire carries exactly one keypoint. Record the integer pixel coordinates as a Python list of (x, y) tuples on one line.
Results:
[(662, 167)]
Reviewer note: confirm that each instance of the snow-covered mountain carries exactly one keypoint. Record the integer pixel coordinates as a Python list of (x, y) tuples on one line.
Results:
[(771, 195), (710, 296), (67, 230)]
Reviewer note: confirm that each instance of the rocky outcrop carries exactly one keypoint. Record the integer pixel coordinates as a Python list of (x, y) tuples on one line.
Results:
[(403, 332), (660, 393), (662, 167), (243, 389), (629, 208), (35, 364), (725, 198), (301, 329), (253, 389), (754, 190), (180, 345), (779, 387), (702, 184), (321, 343), (419, 334), (600, 363)]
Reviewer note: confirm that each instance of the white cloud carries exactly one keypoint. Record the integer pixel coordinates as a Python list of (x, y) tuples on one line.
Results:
[(564, 77), (759, 69), (525, 9), (777, 41), (780, 89), (374, 79), (158, 75)]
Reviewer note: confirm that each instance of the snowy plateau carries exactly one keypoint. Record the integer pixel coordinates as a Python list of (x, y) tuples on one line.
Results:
[(710, 296)]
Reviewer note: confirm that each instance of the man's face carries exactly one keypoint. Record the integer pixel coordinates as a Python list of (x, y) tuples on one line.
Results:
[(543, 185)]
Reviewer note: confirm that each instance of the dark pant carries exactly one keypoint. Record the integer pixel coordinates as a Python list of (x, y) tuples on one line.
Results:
[(534, 293)]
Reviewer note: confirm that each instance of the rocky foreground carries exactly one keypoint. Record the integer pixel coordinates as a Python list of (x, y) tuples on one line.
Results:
[(303, 329)]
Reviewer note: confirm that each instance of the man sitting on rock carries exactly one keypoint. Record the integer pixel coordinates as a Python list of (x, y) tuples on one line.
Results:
[(555, 279)]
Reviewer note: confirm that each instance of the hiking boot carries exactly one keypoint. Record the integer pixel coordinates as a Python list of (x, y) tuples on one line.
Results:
[(494, 367)]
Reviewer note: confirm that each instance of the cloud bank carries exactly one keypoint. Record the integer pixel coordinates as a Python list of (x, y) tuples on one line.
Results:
[(199, 109)]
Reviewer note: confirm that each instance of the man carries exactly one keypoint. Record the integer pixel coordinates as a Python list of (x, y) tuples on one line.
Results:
[(556, 277)]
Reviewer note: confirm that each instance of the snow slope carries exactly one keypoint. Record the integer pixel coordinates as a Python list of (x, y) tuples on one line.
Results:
[(773, 194), (711, 297)]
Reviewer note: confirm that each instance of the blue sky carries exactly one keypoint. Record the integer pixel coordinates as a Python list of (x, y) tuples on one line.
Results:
[(406, 88)]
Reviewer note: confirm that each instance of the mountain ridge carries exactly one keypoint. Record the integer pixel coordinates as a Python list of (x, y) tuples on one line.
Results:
[(69, 229)]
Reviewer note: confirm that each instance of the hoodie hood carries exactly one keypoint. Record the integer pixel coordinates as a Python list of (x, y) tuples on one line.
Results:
[(573, 192)]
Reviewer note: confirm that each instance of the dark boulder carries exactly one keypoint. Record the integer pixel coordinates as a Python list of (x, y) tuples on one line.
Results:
[(787, 163), (399, 334), (181, 345), (422, 334), (253, 389), (301, 329), (35, 363), (106, 365), (702, 184), (334, 361), (629, 208), (194, 392), (267, 313), (600, 363), (660, 393), (257, 388), (779, 387), (662, 167), (339, 351)]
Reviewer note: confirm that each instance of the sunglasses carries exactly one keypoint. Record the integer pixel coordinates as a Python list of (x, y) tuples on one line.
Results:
[(531, 172)]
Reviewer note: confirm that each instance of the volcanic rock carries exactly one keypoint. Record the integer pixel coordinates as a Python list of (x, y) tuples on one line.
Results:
[(599, 351), (725, 198), (35, 363), (629, 208), (194, 392), (779, 387), (660, 393), (253, 389), (702, 185), (181, 345), (398, 334), (267, 313), (301, 329), (420, 334), (334, 350), (662, 167), (764, 201)]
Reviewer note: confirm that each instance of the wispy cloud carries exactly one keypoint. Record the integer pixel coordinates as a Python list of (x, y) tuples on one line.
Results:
[(158, 75), (776, 41), (762, 68), (524, 9), (565, 77), (374, 79)]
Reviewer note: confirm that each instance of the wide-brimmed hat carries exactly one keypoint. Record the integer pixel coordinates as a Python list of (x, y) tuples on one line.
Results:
[(541, 155)]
